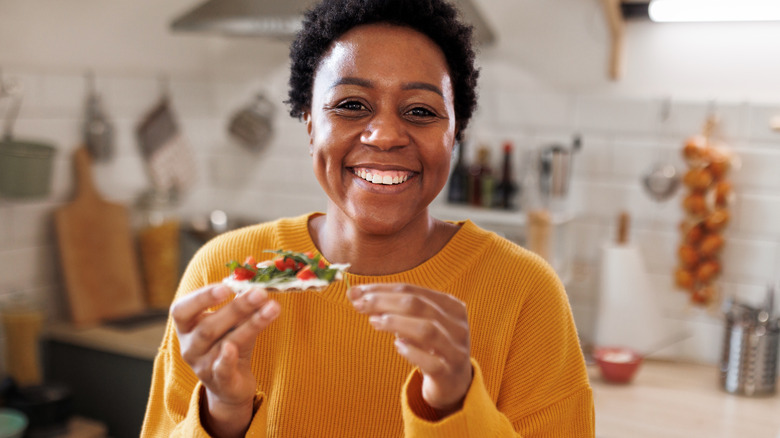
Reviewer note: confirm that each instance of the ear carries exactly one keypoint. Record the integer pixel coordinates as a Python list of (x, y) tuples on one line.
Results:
[(306, 116)]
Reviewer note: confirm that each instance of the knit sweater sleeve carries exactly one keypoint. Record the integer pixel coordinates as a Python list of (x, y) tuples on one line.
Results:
[(176, 395), (544, 389)]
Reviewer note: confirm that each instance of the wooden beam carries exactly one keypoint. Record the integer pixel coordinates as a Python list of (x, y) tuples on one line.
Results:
[(616, 30)]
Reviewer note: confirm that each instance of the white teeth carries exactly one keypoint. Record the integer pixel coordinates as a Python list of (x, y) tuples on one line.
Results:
[(376, 178)]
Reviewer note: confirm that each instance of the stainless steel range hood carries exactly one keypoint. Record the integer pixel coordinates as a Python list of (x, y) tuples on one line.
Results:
[(281, 18)]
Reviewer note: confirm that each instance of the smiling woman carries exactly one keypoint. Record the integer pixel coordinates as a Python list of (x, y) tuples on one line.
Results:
[(447, 330)]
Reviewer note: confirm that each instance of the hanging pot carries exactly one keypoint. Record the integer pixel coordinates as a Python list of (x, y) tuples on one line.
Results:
[(252, 126), (25, 166)]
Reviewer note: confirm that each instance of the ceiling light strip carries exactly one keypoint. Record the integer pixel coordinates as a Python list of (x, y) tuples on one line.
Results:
[(714, 10)]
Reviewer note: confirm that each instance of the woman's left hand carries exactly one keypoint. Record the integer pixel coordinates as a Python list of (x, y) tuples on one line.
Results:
[(432, 333)]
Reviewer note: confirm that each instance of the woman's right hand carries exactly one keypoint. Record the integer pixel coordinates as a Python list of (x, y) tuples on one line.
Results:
[(218, 346)]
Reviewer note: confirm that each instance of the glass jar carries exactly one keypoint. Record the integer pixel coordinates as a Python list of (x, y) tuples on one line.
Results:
[(21, 322), (157, 224)]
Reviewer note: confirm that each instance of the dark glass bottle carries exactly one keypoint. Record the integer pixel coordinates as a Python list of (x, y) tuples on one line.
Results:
[(481, 180), (457, 192), (506, 190)]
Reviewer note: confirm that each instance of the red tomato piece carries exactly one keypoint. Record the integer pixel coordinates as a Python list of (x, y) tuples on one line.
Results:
[(243, 273), (322, 264), (284, 264), (306, 274), (250, 261)]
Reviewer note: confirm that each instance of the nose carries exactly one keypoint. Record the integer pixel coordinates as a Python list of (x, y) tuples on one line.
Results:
[(385, 131)]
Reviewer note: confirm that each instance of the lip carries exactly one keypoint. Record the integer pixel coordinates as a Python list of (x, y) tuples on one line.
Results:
[(379, 166)]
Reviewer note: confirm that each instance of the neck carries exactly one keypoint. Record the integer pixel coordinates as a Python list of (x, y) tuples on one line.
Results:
[(341, 240)]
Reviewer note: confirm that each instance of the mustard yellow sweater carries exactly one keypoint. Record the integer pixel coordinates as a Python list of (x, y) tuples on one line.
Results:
[(323, 371)]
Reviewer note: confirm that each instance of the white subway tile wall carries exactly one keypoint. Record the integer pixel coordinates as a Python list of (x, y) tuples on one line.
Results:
[(622, 138)]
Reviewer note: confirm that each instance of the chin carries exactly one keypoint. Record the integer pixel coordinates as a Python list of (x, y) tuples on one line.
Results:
[(380, 223)]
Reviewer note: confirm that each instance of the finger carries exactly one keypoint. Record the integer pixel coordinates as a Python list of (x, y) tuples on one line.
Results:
[(243, 337), (378, 303), (226, 363), (428, 362), (185, 311), (413, 301), (427, 335), (449, 304), (414, 308), (216, 325)]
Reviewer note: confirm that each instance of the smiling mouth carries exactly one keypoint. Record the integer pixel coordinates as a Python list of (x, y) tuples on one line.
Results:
[(384, 177)]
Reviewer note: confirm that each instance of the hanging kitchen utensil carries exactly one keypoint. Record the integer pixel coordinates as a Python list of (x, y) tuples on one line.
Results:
[(662, 180), (97, 253), (167, 153), (98, 130), (25, 166), (555, 169), (252, 126)]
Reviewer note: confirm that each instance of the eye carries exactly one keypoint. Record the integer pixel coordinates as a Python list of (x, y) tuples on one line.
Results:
[(421, 112), (352, 105)]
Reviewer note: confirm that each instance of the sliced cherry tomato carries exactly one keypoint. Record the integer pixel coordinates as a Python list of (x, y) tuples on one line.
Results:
[(250, 261), (284, 263), (306, 274), (322, 264), (309, 254), (243, 273)]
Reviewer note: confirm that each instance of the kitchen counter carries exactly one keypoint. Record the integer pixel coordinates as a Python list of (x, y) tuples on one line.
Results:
[(676, 400), (139, 342), (665, 400), (108, 369)]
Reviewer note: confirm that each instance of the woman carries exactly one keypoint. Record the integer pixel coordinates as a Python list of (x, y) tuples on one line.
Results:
[(447, 330)]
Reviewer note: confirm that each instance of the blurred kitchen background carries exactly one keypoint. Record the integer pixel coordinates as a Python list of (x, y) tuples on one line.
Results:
[(552, 72)]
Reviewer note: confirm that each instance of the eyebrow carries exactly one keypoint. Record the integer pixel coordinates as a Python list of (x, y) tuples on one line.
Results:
[(368, 84)]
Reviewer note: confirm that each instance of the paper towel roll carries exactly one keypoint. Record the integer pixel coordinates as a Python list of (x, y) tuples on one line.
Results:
[(629, 312)]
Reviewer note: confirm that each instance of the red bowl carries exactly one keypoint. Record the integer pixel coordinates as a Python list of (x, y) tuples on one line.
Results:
[(617, 364)]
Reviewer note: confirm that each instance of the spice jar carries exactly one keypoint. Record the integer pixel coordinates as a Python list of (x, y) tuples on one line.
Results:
[(22, 323), (157, 223)]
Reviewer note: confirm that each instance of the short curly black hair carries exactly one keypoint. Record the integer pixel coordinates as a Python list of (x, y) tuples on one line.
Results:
[(437, 19)]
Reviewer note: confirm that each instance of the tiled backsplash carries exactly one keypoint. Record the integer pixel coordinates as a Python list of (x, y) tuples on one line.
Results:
[(622, 137)]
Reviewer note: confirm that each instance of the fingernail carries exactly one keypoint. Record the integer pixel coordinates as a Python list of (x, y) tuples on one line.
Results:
[(401, 346), (270, 310), (220, 292), (356, 292), (375, 320), (256, 296)]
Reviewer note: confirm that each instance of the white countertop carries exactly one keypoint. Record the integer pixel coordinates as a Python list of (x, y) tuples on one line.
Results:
[(676, 400), (665, 400)]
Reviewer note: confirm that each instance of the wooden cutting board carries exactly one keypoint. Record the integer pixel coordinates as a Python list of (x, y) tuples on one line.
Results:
[(97, 253)]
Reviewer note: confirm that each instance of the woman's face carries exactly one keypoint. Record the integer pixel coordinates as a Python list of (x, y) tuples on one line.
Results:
[(382, 125)]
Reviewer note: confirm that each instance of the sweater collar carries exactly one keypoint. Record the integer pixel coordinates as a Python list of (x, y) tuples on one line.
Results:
[(435, 273)]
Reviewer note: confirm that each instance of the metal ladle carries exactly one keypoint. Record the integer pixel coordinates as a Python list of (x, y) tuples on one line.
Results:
[(663, 179)]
